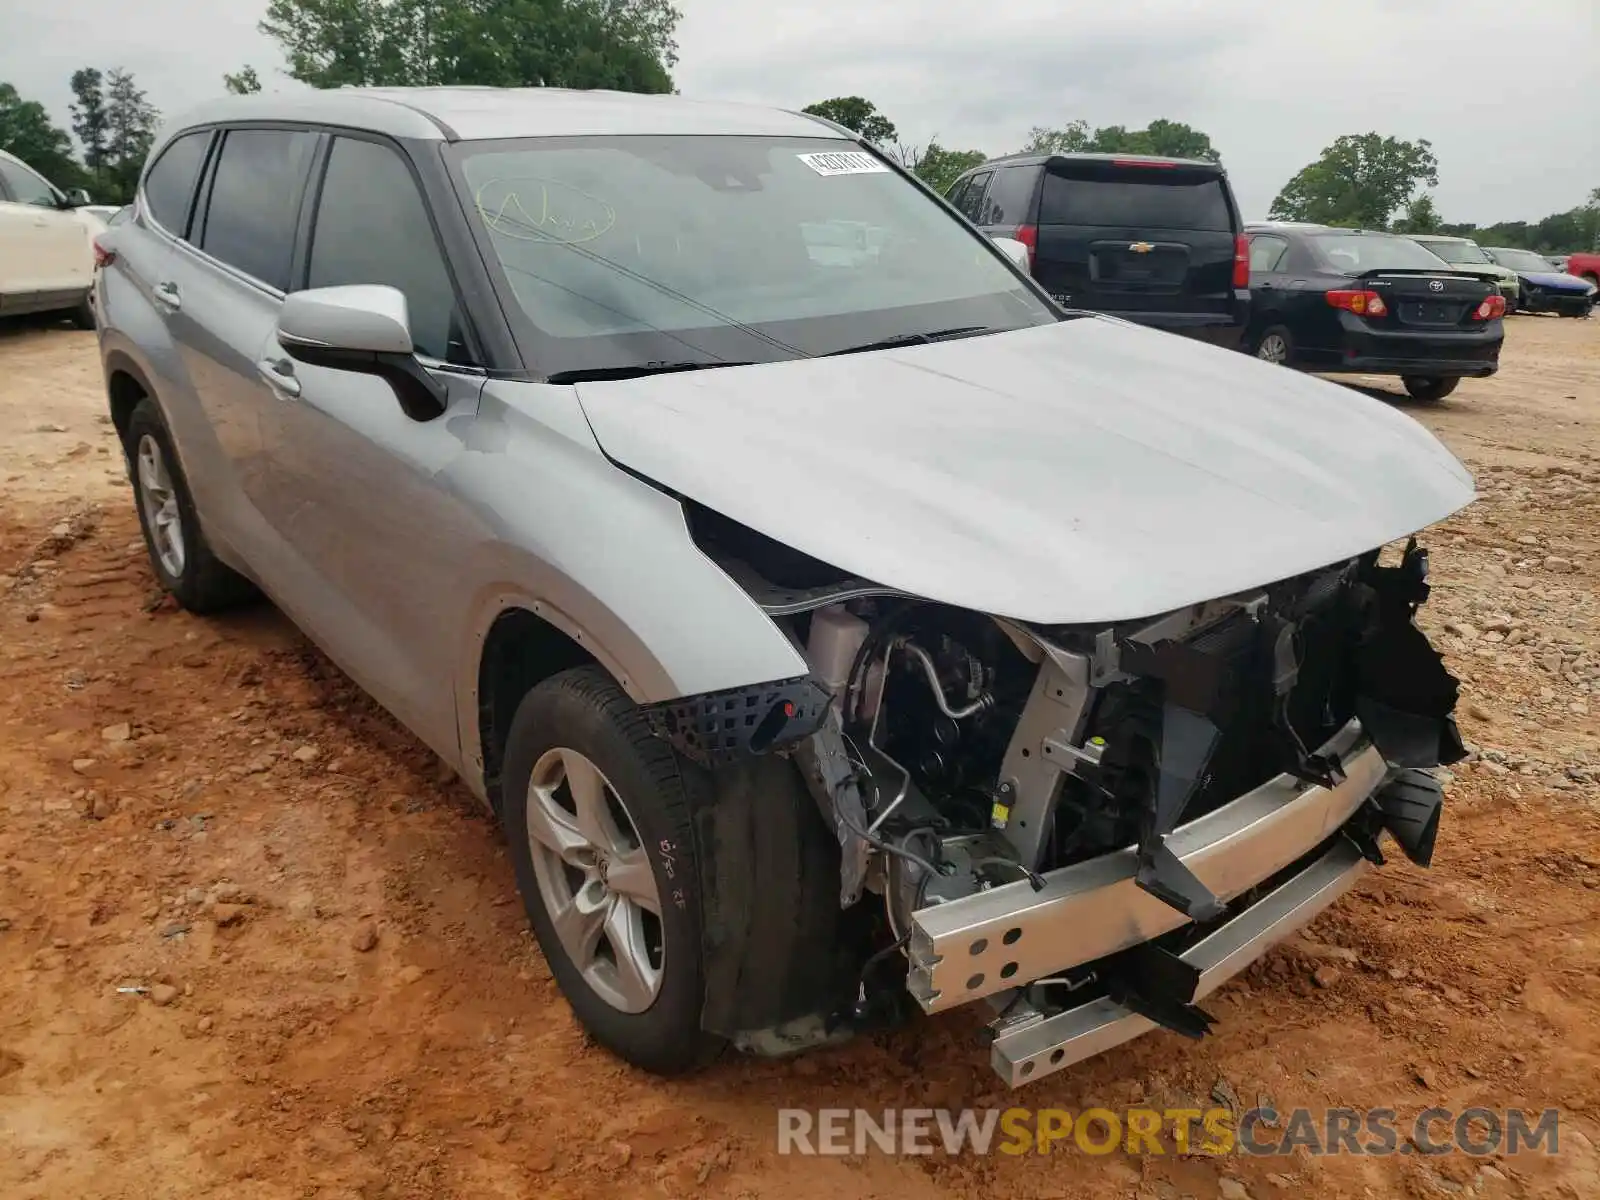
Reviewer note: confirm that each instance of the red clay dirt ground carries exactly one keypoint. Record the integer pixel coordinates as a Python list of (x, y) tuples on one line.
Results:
[(209, 810)]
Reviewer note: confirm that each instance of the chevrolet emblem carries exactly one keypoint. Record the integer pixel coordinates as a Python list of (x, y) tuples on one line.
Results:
[(1141, 247)]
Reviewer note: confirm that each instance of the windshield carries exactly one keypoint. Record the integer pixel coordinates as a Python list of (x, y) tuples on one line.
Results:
[(1524, 260), (1458, 252), (627, 251), (1357, 253)]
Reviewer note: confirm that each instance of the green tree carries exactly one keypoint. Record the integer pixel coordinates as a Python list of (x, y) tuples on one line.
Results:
[(242, 83), (89, 117), (939, 167), (621, 44), (1420, 216), (130, 128), (1360, 180), (1073, 138), (858, 116), (27, 132), (1167, 139)]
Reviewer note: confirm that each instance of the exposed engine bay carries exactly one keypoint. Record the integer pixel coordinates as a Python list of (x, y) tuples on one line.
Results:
[(959, 756)]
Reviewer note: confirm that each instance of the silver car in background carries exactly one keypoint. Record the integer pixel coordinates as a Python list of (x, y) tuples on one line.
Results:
[(840, 630)]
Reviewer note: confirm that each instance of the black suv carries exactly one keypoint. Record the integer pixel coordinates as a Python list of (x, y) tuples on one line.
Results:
[(1152, 240)]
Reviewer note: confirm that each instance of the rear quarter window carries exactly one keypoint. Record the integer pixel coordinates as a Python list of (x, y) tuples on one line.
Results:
[(169, 185), (1154, 198), (1010, 196)]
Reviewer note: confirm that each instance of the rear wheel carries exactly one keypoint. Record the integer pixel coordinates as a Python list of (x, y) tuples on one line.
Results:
[(179, 554), (1428, 388), (1275, 346)]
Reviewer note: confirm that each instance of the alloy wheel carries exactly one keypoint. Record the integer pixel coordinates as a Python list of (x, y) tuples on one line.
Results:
[(1273, 349), (159, 500), (595, 879)]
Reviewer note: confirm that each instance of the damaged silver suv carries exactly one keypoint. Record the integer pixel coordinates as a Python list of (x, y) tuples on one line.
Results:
[(840, 630)]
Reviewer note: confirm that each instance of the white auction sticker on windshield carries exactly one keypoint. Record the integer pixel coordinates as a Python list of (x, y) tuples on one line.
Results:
[(842, 162)]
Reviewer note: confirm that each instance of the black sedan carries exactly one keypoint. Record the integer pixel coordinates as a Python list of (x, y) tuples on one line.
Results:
[(1343, 300)]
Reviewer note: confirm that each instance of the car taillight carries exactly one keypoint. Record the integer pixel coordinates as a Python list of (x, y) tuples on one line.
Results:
[(104, 256), (1241, 261), (1028, 235), (1492, 307), (1363, 303)]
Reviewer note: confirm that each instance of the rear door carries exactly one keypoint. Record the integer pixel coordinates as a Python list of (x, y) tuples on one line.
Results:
[(968, 194), (220, 291), (1129, 236)]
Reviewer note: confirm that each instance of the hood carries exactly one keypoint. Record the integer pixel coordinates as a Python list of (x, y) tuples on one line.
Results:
[(1555, 279), (1085, 471)]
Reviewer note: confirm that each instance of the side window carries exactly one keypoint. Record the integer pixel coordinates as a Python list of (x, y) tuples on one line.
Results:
[(1010, 196), (169, 185), (972, 198), (1266, 252), (958, 192), (24, 186), (255, 201), (372, 227)]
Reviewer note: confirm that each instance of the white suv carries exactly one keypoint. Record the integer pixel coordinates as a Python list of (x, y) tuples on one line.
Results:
[(46, 245)]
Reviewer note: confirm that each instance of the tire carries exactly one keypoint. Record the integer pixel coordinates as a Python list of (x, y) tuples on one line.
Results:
[(1275, 338), (1430, 388), (582, 717), (83, 316), (187, 569)]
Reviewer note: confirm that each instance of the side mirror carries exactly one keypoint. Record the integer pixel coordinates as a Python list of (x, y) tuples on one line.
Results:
[(78, 198), (363, 328), (1016, 251)]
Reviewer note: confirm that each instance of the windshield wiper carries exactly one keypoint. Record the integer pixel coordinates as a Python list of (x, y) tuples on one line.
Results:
[(635, 371), (914, 339)]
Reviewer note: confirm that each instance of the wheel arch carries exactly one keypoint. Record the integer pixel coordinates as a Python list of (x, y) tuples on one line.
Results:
[(517, 642), (126, 385)]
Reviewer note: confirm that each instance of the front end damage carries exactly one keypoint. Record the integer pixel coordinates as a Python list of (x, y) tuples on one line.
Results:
[(1087, 829)]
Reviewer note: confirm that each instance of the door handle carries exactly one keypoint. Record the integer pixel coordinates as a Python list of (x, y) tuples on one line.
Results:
[(167, 293), (279, 374)]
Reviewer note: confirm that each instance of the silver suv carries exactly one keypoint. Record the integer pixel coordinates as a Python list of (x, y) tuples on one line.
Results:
[(839, 629)]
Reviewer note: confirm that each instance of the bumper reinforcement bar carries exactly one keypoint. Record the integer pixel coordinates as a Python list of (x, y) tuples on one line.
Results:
[(1008, 936), (1028, 1046)]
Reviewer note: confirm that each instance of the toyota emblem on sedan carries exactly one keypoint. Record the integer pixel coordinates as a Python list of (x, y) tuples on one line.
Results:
[(1436, 285)]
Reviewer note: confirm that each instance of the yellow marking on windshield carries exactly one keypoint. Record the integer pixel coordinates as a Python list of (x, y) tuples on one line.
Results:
[(553, 212)]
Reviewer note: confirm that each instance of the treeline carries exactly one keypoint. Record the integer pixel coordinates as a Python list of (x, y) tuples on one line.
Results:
[(627, 45), (1360, 181), (114, 124)]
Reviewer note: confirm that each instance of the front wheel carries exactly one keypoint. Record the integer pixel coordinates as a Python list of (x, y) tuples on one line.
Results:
[(597, 820), (1430, 389)]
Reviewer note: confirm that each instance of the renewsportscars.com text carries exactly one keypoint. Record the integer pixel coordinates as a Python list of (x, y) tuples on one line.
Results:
[(1157, 1131)]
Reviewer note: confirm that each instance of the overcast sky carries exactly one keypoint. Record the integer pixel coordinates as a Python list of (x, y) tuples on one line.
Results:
[(1507, 93)]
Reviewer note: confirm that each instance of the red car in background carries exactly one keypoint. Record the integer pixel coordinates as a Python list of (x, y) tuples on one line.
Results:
[(1585, 266)]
